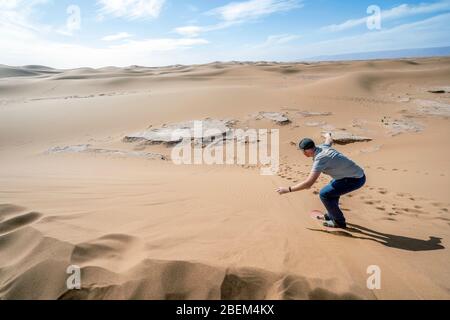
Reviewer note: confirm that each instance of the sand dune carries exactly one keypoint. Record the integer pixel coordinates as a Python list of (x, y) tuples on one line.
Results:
[(6, 72), (72, 192), (25, 71)]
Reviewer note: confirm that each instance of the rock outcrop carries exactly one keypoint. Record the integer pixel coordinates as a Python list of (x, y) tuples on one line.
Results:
[(277, 117), (433, 108), (86, 148), (313, 114), (402, 125), (201, 131), (344, 137)]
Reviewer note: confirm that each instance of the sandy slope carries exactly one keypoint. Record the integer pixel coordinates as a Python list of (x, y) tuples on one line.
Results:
[(148, 229)]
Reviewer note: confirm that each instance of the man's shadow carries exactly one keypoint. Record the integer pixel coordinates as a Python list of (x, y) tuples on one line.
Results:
[(389, 240)]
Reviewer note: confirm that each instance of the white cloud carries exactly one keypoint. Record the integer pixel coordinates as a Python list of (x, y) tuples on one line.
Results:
[(24, 41), (428, 33), (253, 9), (400, 11), (15, 16), (194, 31), (163, 44), (117, 36), (152, 52), (131, 9), (277, 41), (236, 13), (280, 39), (274, 43), (431, 32), (189, 31)]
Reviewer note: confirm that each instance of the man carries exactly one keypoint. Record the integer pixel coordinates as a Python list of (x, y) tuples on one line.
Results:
[(347, 177)]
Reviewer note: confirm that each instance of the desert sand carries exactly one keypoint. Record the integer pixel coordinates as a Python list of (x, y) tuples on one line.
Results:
[(74, 192)]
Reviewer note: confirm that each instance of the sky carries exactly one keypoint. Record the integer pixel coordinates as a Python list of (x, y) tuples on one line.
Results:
[(98, 33)]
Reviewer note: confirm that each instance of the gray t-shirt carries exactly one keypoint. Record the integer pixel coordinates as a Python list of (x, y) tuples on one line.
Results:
[(335, 164)]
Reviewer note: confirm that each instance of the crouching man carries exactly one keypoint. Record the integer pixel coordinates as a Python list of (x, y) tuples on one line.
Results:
[(346, 176)]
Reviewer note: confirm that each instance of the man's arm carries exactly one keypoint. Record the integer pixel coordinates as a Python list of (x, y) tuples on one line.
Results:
[(308, 183)]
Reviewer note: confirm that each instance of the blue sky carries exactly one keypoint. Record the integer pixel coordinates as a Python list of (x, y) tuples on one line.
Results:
[(71, 33)]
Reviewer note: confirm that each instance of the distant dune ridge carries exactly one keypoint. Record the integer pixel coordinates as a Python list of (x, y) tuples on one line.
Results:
[(81, 185), (389, 54)]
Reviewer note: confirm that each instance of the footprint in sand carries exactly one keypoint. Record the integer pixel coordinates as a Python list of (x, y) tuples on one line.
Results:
[(411, 211), (436, 204)]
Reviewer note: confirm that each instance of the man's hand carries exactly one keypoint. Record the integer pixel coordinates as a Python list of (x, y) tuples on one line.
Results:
[(282, 190), (328, 138), (313, 176)]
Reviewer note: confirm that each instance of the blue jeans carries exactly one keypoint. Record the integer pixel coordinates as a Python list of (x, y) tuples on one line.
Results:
[(331, 193)]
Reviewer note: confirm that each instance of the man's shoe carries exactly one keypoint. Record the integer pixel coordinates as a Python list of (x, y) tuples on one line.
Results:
[(325, 217), (333, 224)]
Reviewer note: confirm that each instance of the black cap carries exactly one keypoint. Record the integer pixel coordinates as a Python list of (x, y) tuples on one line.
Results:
[(306, 144)]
